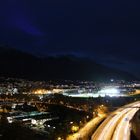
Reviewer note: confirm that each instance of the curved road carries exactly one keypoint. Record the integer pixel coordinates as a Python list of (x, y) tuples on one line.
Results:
[(117, 125), (122, 131)]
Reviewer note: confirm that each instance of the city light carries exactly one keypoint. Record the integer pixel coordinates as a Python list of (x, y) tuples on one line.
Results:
[(59, 138), (33, 121), (76, 109), (74, 128), (109, 92)]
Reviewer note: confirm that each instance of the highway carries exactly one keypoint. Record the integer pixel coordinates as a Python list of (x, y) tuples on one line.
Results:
[(117, 124), (122, 131)]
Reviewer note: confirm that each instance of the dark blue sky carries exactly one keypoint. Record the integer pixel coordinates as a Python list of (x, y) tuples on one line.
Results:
[(105, 30)]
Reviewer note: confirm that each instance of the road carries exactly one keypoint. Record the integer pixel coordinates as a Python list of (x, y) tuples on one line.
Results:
[(117, 125), (122, 131), (86, 132)]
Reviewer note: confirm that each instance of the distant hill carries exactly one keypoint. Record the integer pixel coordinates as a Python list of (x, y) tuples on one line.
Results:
[(14, 63)]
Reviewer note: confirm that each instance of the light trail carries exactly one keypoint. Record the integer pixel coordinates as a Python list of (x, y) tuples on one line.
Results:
[(122, 131), (107, 128)]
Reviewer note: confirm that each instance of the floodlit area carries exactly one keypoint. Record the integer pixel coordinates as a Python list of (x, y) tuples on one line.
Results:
[(107, 91)]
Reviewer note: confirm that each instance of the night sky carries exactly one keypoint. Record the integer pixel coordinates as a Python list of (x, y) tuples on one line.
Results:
[(107, 31)]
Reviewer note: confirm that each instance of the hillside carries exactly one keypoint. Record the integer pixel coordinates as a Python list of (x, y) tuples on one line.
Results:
[(18, 64)]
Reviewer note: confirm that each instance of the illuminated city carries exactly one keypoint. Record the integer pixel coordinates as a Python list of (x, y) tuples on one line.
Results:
[(69, 70), (70, 110)]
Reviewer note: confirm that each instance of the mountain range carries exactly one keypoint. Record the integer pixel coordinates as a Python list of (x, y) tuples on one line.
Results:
[(18, 64)]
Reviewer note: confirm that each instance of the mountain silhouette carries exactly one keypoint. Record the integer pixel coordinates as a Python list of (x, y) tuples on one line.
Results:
[(18, 64)]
